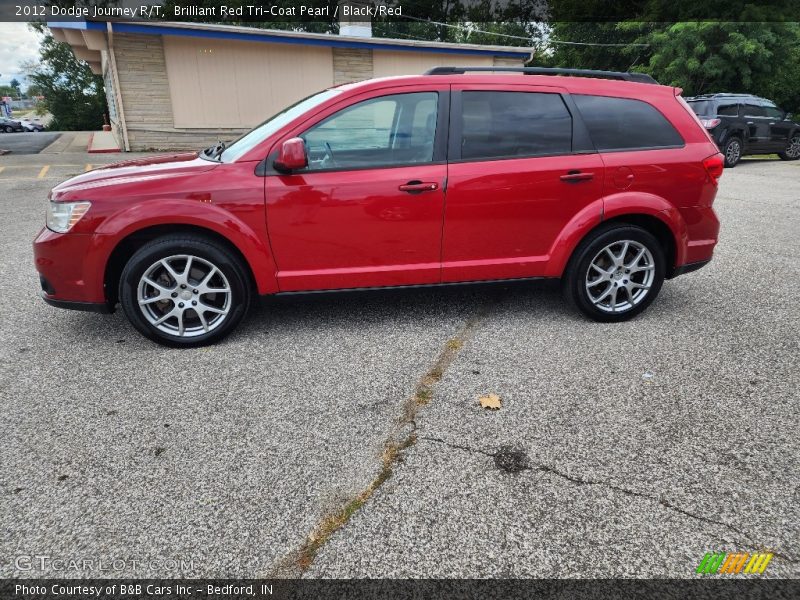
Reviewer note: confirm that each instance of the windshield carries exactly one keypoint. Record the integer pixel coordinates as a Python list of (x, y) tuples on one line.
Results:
[(250, 140), (702, 107)]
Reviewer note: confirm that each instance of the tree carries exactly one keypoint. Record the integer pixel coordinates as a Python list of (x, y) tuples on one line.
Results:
[(73, 94), (14, 83), (701, 57), (615, 48)]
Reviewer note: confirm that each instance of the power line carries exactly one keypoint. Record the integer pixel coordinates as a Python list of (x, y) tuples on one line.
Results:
[(527, 39)]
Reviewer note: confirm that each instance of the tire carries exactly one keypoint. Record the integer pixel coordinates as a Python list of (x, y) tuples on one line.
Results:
[(591, 292), (9, 130), (732, 151), (167, 314), (792, 151)]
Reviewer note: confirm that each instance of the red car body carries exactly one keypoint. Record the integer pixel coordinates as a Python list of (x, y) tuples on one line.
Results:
[(337, 229)]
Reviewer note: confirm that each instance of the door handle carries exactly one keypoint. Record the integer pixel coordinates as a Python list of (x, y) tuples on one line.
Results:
[(417, 187), (576, 177)]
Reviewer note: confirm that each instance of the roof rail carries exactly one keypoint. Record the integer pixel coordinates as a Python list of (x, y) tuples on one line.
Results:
[(637, 77)]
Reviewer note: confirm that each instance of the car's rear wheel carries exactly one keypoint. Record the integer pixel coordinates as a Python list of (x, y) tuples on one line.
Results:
[(9, 130), (184, 290), (615, 273), (732, 152), (792, 151)]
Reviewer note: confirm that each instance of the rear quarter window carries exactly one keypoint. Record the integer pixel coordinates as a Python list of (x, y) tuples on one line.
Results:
[(626, 124)]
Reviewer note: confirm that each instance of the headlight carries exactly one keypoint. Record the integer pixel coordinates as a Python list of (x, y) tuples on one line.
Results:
[(62, 216)]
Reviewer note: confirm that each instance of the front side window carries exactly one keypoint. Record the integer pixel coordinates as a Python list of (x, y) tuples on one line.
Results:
[(626, 124), (773, 112), (514, 124), (754, 110), (388, 131)]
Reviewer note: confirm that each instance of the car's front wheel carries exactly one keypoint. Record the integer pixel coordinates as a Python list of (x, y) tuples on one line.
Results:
[(732, 152), (184, 290), (9, 130), (792, 151), (615, 273)]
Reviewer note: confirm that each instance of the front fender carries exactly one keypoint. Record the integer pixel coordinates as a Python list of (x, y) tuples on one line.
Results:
[(178, 212)]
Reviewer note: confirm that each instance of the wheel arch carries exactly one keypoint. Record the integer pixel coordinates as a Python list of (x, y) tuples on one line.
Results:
[(656, 225), (130, 243)]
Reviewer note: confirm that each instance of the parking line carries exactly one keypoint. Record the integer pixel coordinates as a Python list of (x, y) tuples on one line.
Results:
[(43, 172), (2, 169), (88, 168)]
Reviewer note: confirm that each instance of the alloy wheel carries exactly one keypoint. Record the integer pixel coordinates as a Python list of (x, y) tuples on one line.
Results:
[(184, 295), (620, 276), (733, 152), (793, 150)]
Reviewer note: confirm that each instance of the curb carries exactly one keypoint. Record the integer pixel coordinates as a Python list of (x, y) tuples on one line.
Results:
[(103, 151)]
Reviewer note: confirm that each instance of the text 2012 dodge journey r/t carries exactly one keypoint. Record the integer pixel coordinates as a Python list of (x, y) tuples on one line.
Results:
[(605, 181)]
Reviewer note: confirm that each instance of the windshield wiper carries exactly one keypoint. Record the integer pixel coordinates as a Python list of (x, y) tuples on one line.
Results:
[(214, 152)]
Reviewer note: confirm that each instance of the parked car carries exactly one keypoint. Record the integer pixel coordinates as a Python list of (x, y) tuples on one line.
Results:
[(742, 124), (31, 125), (606, 182), (10, 125)]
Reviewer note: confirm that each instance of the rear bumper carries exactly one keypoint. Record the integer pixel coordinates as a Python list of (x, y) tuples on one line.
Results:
[(688, 268)]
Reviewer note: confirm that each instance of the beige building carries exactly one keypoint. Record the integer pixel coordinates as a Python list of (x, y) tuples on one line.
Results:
[(187, 85)]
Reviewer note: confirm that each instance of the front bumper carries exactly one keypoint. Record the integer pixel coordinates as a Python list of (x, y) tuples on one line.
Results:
[(98, 307), (67, 271)]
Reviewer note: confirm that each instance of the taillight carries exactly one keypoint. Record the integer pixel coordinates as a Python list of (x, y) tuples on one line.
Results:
[(714, 165), (710, 123)]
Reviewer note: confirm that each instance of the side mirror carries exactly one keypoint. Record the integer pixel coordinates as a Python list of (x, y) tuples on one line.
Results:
[(291, 156), (788, 117)]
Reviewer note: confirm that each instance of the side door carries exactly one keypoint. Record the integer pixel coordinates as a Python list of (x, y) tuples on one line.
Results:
[(757, 125), (779, 128), (367, 210), (520, 168)]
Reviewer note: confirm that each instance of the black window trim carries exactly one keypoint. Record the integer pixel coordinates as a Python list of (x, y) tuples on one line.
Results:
[(266, 169), (641, 148), (581, 143)]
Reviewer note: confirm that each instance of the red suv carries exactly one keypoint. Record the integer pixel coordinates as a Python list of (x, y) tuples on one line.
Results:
[(605, 180)]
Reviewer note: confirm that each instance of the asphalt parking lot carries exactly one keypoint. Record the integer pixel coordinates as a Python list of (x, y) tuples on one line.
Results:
[(27, 142), (620, 450)]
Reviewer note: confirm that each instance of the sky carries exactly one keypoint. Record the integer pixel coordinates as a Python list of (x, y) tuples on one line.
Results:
[(17, 44)]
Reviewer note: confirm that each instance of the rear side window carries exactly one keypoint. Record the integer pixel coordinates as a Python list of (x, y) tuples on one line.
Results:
[(701, 107), (626, 124), (511, 124), (728, 110)]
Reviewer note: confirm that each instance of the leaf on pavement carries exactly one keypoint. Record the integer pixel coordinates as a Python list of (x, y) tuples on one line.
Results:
[(490, 401)]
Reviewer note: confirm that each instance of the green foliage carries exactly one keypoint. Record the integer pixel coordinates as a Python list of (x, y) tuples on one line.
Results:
[(760, 58), (609, 58), (7, 90), (756, 57), (73, 94)]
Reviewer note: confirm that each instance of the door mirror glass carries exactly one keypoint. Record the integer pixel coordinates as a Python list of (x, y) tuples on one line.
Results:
[(789, 116), (292, 156)]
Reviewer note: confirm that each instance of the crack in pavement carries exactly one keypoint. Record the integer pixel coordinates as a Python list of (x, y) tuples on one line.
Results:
[(542, 468), (401, 436)]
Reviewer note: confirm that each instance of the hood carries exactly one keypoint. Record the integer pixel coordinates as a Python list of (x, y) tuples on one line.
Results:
[(140, 169)]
